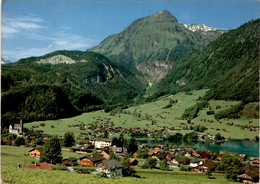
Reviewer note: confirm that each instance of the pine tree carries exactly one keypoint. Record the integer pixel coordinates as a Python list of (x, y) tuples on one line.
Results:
[(68, 139)]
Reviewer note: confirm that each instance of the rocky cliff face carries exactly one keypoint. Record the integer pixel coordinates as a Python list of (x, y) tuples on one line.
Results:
[(59, 59)]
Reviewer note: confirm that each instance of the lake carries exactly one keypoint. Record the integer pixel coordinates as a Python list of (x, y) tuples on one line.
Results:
[(250, 148)]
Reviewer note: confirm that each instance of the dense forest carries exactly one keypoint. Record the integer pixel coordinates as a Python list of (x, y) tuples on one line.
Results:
[(228, 66), (37, 91)]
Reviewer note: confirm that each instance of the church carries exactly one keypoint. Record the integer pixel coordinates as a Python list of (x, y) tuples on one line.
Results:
[(16, 128)]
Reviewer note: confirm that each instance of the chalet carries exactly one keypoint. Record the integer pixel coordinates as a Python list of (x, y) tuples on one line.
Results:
[(91, 160), (16, 129), (250, 176), (101, 142), (105, 154), (133, 161), (118, 150), (174, 161), (204, 167), (36, 152), (254, 161), (42, 165), (195, 162), (70, 161), (187, 154), (160, 156), (110, 167), (244, 178), (170, 156)]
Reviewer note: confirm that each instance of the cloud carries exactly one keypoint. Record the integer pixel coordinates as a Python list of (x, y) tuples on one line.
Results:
[(12, 26), (38, 41), (25, 25), (9, 30), (61, 41)]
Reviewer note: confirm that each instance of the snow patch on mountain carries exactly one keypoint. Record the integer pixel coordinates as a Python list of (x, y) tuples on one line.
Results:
[(199, 27)]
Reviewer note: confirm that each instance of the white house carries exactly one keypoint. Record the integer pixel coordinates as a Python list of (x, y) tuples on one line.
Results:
[(111, 167), (195, 162), (101, 143), (16, 128)]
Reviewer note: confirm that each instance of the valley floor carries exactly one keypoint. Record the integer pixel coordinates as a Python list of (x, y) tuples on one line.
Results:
[(12, 156), (154, 116)]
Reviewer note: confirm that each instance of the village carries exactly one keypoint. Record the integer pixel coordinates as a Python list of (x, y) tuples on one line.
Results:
[(114, 157)]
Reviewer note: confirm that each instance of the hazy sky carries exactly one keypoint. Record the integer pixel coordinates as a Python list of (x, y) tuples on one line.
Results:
[(37, 27)]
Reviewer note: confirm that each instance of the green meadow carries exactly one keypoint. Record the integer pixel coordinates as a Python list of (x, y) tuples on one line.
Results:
[(143, 115), (11, 156)]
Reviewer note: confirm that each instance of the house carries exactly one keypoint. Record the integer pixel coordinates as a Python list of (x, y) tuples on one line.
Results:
[(183, 160), (42, 165), (170, 156), (36, 152), (250, 176), (70, 161), (244, 178), (91, 160), (16, 129), (133, 161), (101, 142), (187, 154), (160, 156), (254, 161), (105, 154), (204, 167), (174, 161), (195, 162), (110, 167)]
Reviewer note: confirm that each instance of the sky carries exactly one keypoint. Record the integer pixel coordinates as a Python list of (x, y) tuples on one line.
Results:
[(38, 27)]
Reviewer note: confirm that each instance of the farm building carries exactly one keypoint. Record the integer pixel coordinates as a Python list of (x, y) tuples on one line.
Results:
[(91, 160), (36, 152), (70, 160), (110, 167)]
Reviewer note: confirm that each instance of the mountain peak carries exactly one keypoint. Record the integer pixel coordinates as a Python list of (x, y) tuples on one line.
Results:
[(163, 15)]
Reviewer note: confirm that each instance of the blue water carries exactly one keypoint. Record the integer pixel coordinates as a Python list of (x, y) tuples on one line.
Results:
[(250, 148)]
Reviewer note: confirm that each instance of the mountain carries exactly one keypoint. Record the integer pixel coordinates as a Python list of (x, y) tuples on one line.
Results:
[(228, 66), (153, 43), (64, 83), (3, 61)]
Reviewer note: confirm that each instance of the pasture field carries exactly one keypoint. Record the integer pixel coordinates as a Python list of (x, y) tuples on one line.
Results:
[(143, 115), (12, 155)]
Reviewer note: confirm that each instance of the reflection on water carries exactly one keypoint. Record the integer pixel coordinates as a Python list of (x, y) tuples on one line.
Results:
[(250, 148)]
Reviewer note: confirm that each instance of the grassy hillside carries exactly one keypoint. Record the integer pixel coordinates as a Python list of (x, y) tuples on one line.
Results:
[(39, 88), (155, 37), (228, 66), (159, 112)]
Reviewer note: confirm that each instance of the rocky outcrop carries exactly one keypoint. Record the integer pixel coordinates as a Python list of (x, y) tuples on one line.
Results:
[(59, 59)]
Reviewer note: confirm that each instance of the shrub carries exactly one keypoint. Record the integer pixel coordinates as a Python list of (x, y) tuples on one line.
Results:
[(210, 112)]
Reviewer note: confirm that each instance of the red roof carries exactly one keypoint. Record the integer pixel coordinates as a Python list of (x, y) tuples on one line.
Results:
[(42, 165)]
